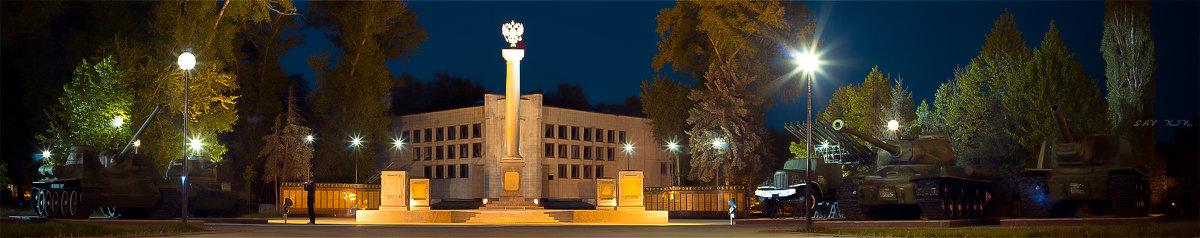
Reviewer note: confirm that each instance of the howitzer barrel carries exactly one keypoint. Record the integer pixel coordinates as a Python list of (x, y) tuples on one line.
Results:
[(1060, 121), (141, 129), (839, 125)]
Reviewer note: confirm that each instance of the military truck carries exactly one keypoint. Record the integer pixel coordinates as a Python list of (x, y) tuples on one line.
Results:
[(1072, 170), (787, 186), (120, 184), (912, 178)]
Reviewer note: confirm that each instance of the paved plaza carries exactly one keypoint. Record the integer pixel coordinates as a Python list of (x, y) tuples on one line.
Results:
[(344, 227)]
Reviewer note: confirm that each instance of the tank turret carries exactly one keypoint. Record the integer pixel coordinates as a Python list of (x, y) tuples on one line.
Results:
[(928, 149)]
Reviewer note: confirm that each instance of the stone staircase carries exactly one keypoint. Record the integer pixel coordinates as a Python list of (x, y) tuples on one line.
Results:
[(511, 216)]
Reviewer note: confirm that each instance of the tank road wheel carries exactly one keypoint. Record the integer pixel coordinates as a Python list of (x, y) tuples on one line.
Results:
[(934, 200), (847, 197), (1035, 197), (70, 203), (1128, 193), (39, 203), (53, 203)]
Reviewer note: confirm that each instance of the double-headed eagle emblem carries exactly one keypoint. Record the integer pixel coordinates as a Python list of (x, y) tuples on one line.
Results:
[(512, 32)]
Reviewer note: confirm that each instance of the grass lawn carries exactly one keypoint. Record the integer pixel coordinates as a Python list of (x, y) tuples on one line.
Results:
[(1128, 230), (70, 228)]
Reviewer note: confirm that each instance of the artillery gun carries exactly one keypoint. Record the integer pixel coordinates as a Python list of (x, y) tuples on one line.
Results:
[(1083, 169), (912, 177), (118, 183)]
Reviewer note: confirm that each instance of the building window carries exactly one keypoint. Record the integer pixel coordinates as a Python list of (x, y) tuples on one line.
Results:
[(464, 171), (587, 171), (587, 152), (416, 153), (574, 133), (450, 172), (440, 133), (441, 171), (549, 131), (575, 152), (549, 150), (587, 134), (450, 133), (428, 171), (610, 155), (476, 130), (404, 136), (600, 171), (416, 136), (428, 135), (428, 153), (462, 132), (622, 139), (439, 152), (599, 135), (575, 171), (450, 152), (476, 150), (562, 151), (562, 171), (462, 151), (562, 132), (610, 137), (599, 153), (662, 168)]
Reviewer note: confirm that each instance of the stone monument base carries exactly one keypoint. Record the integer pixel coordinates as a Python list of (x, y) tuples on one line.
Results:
[(533, 216)]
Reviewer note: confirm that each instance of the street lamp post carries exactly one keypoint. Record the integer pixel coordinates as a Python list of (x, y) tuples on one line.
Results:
[(628, 154), (355, 142), (808, 62), (674, 148), (186, 62)]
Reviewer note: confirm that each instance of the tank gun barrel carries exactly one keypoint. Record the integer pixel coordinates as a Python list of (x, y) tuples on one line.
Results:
[(141, 129), (839, 125), (1060, 121)]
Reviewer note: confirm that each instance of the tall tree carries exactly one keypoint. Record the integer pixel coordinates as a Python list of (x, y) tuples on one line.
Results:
[(865, 106), (95, 107), (666, 102), (348, 97), (288, 154), (1127, 46), (727, 117)]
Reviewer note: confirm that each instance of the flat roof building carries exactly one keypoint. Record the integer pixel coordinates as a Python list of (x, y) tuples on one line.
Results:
[(564, 150)]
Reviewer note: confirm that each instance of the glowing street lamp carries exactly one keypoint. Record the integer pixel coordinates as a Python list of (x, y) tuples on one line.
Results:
[(45, 154), (136, 145), (628, 154), (118, 121), (186, 62), (309, 139), (808, 62), (398, 143), (718, 143), (892, 126), (355, 142), (674, 148), (196, 145)]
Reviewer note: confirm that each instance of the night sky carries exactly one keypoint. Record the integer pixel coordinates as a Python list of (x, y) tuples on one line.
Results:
[(607, 47)]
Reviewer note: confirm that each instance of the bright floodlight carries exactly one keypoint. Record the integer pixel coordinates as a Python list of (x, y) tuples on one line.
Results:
[(137, 143), (672, 146), (308, 138), (45, 154), (628, 147), (807, 61), (355, 141), (399, 144), (118, 121), (893, 125), (718, 143), (197, 144), (187, 61)]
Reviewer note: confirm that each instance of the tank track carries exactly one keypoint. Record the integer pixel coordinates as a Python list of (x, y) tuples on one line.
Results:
[(1034, 197), (941, 199), (847, 197), (168, 205), (68, 202), (1129, 194)]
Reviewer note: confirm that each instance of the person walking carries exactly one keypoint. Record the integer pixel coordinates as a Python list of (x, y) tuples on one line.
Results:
[(310, 187)]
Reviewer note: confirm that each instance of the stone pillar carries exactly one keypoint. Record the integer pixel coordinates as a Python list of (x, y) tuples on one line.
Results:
[(512, 103), (630, 197), (419, 189), (393, 189), (606, 194)]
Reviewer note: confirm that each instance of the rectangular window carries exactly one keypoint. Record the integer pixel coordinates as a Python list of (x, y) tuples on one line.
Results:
[(587, 152), (440, 153), (440, 133), (476, 150), (587, 171), (549, 131), (599, 135), (662, 168), (622, 139), (574, 133), (428, 171), (599, 153), (464, 171), (562, 152), (450, 171), (562, 132), (575, 171), (428, 153), (462, 151), (562, 171), (610, 137), (600, 171), (450, 152), (428, 135), (610, 155), (417, 153), (441, 172), (549, 150), (416, 136), (404, 136), (575, 152), (587, 134), (462, 132), (450, 133), (476, 130)]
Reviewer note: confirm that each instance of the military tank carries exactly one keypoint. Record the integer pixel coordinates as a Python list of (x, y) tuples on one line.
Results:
[(207, 195), (120, 184), (912, 177), (1084, 169), (788, 186)]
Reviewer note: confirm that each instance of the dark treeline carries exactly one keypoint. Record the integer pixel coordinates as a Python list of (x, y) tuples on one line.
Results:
[(571, 96), (446, 91)]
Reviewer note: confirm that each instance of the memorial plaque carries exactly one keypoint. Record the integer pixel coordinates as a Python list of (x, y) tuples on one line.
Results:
[(630, 194), (606, 194), (420, 194), (393, 189)]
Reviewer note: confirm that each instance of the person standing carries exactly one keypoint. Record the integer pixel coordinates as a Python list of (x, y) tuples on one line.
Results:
[(310, 188)]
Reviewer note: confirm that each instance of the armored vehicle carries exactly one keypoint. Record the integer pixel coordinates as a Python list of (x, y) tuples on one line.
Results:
[(912, 177), (120, 184), (787, 186), (207, 195), (1081, 169)]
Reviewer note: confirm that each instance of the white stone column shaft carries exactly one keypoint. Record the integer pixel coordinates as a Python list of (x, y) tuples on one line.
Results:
[(512, 102)]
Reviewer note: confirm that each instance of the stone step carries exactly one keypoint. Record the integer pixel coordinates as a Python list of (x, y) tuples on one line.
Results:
[(514, 216)]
